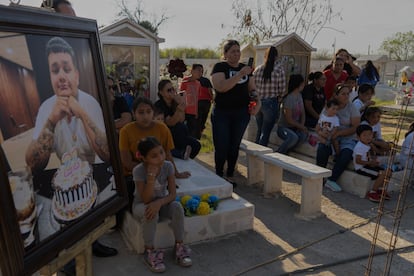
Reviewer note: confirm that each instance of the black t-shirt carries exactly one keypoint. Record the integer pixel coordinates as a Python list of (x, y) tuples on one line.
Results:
[(317, 97), (238, 96), (119, 106), (205, 82), (162, 106)]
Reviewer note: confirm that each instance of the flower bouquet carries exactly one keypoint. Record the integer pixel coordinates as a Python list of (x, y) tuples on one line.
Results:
[(176, 67), (198, 205)]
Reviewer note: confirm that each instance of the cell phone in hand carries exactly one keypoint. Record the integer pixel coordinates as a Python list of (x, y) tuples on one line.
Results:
[(250, 62)]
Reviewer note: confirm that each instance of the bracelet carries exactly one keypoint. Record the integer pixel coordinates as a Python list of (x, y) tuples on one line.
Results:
[(151, 174)]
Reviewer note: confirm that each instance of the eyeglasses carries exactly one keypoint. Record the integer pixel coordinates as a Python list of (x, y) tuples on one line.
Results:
[(170, 90)]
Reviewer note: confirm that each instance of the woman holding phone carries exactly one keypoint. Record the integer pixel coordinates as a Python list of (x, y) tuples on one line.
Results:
[(230, 116)]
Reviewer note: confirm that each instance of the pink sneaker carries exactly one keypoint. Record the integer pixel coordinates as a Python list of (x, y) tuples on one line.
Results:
[(154, 259), (182, 255)]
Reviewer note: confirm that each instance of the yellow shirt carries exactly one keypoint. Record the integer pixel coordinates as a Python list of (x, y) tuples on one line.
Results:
[(130, 135)]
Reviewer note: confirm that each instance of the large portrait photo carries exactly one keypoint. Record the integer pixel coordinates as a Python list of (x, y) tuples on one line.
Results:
[(56, 143)]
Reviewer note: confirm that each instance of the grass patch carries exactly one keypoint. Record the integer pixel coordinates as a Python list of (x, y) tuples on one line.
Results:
[(207, 137)]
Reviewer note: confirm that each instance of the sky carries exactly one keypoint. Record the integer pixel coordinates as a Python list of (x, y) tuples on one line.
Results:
[(200, 24)]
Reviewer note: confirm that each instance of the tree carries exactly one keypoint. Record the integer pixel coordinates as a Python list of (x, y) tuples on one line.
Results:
[(304, 17), (140, 17), (400, 46), (180, 52)]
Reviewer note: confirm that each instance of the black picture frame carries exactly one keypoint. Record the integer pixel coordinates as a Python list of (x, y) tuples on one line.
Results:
[(36, 27)]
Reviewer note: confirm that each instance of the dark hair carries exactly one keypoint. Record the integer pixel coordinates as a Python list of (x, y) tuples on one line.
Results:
[(58, 45), (332, 102), (146, 144), (351, 78), (141, 100), (270, 59), (162, 84), (339, 87), (230, 43), (315, 76), (370, 70), (364, 88), (370, 111), (157, 110), (197, 65), (362, 128), (410, 129), (295, 81)]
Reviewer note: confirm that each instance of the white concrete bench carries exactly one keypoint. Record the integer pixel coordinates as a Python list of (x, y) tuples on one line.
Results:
[(312, 180), (234, 214), (255, 167)]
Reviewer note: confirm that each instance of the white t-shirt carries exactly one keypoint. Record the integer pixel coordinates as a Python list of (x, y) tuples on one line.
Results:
[(360, 106), (360, 149), (376, 130), (407, 151), (328, 123), (70, 134)]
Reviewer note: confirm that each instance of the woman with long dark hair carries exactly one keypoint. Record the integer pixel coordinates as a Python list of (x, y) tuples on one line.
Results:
[(369, 75), (270, 85), (291, 127), (314, 98)]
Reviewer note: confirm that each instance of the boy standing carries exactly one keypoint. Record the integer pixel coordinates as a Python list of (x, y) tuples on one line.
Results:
[(369, 166)]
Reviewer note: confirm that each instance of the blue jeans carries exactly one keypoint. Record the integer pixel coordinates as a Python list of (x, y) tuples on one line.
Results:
[(182, 139), (266, 119), (342, 159), (291, 138), (228, 129)]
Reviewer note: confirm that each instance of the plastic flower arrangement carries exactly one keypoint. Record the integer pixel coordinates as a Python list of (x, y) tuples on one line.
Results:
[(176, 67), (198, 205)]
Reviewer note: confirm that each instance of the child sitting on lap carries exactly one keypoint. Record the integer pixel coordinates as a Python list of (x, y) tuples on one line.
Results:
[(369, 166), (328, 124), (372, 118), (154, 198)]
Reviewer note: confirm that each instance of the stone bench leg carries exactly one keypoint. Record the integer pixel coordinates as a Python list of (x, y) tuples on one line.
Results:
[(311, 195), (273, 176), (255, 169)]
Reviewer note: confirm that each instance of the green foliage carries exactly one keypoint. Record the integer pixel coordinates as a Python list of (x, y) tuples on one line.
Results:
[(400, 46), (180, 52)]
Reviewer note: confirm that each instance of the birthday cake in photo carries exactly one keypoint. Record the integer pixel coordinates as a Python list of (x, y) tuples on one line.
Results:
[(74, 190)]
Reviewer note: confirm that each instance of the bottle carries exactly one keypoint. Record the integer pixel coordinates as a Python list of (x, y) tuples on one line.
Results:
[(253, 100)]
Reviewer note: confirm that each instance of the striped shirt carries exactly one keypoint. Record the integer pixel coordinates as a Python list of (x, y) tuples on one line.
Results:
[(275, 87)]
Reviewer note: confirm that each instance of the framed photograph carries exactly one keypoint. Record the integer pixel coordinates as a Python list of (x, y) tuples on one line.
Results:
[(60, 166)]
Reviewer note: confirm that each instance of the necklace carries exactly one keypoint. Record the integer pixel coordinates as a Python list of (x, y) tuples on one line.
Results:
[(72, 125)]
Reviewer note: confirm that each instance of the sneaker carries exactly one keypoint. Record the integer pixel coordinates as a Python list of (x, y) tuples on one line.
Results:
[(386, 194), (187, 152), (154, 259), (182, 255), (332, 185), (374, 196)]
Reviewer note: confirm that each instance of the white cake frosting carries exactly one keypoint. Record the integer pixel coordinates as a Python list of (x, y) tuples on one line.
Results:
[(75, 190)]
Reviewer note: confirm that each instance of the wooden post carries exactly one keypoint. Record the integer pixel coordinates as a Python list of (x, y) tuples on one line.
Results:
[(81, 251)]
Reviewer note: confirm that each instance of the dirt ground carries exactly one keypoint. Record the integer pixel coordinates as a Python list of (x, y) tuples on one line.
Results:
[(281, 244)]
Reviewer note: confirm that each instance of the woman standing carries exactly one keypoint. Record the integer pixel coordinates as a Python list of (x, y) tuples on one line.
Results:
[(334, 75), (369, 75), (270, 84), (291, 127), (230, 116), (314, 98), (349, 119)]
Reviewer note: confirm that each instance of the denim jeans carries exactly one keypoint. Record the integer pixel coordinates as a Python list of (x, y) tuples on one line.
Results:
[(342, 159), (266, 119), (228, 129), (291, 138)]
